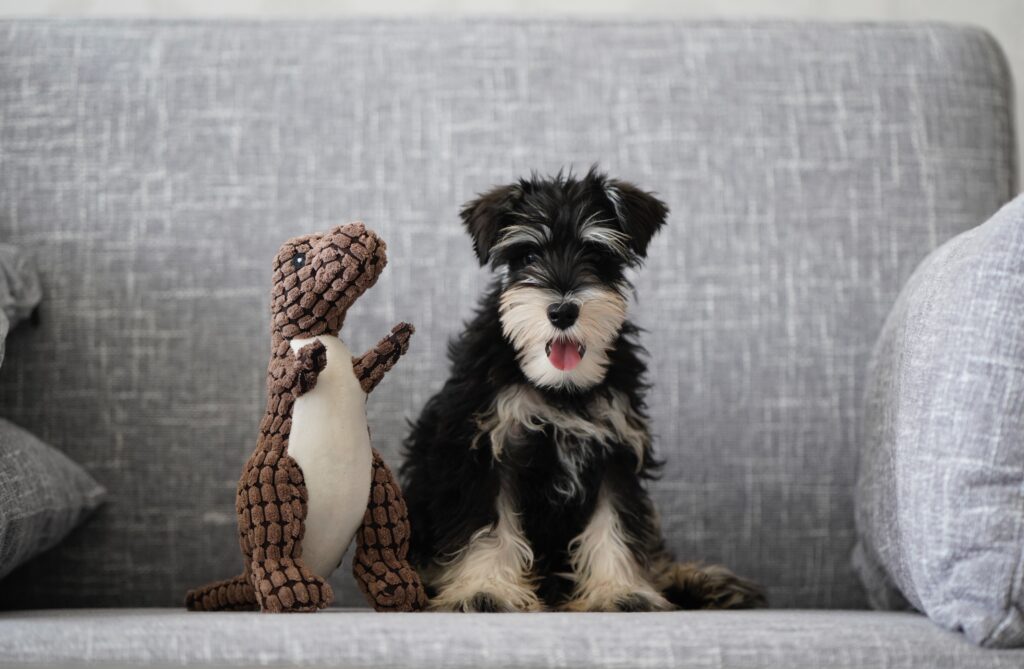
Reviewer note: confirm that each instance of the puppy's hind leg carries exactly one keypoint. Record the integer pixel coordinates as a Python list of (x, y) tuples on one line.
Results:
[(690, 585)]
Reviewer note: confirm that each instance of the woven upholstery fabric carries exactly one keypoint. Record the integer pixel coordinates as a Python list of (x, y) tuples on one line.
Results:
[(809, 168), (43, 496), (940, 495), (681, 640)]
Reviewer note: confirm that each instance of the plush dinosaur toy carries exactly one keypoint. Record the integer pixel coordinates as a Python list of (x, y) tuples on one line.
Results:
[(313, 481)]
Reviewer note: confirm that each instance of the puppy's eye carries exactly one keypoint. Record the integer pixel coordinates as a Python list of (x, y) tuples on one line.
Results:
[(298, 260), (521, 261)]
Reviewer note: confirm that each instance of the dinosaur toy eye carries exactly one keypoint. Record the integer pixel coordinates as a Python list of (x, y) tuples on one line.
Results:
[(298, 260)]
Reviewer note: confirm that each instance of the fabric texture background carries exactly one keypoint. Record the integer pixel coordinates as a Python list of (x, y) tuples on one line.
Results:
[(43, 496), (809, 168), (940, 495), (681, 640), (20, 290)]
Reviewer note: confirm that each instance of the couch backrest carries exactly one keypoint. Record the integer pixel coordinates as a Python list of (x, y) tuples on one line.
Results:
[(154, 168)]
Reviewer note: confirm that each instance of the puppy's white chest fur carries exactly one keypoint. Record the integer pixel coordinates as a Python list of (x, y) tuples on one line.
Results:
[(330, 442), (520, 409)]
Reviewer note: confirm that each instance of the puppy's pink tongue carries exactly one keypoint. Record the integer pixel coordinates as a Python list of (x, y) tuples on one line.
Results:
[(564, 355)]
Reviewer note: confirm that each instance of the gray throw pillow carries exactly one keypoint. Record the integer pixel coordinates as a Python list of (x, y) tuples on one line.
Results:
[(20, 291), (43, 495), (940, 492)]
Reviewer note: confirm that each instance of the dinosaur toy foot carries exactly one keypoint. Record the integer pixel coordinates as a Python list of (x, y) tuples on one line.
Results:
[(287, 586)]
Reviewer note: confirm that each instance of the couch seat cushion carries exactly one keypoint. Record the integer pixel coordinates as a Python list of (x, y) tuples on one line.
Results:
[(357, 638)]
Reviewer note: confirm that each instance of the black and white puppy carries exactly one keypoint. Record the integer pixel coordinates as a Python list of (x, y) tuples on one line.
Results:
[(525, 475)]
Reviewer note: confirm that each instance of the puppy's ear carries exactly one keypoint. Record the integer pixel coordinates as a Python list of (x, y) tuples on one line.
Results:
[(485, 216), (640, 214)]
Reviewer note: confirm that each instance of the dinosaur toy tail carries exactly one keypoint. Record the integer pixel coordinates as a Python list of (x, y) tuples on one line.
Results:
[(233, 594)]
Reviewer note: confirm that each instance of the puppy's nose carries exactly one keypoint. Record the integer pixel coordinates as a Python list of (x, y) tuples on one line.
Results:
[(563, 315)]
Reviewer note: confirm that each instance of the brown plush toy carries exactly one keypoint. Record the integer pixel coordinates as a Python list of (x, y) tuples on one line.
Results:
[(313, 481)]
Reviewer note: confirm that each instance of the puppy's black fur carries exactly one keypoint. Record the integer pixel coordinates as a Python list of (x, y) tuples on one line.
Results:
[(561, 236)]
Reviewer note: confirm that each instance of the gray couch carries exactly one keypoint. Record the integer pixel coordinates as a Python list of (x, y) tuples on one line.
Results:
[(154, 167)]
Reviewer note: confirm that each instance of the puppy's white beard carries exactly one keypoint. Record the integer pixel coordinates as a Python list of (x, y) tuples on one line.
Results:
[(524, 320)]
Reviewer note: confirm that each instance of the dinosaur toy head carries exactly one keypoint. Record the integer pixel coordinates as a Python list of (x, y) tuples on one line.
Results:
[(317, 278)]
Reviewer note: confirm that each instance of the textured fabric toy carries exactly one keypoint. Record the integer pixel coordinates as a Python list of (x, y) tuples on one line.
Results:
[(313, 481)]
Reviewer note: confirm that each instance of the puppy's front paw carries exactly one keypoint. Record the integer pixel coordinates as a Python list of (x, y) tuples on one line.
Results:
[(484, 602), (481, 602), (624, 601)]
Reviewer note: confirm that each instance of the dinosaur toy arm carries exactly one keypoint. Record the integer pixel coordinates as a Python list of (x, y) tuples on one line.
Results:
[(371, 366), (297, 374)]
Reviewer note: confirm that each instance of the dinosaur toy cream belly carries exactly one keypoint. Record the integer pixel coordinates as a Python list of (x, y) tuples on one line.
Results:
[(314, 482), (331, 443)]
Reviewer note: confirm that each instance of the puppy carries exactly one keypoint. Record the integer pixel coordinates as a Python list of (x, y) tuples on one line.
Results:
[(525, 475)]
